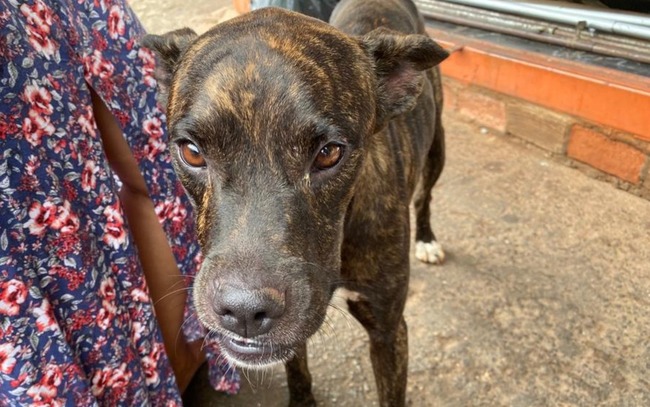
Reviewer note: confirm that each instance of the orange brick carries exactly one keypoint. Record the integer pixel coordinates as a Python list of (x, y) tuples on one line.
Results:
[(613, 157), (484, 109)]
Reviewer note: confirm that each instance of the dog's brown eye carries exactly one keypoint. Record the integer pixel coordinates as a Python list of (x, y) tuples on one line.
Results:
[(191, 155), (328, 156)]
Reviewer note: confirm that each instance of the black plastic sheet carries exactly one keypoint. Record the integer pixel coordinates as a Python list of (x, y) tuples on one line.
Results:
[(321, 9)]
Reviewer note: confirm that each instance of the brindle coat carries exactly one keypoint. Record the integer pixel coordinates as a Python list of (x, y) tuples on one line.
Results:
[(258, 101)]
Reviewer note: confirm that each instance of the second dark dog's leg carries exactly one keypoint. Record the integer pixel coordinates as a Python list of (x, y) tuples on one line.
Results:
[(299, 380), (388, 352), (427, 248)]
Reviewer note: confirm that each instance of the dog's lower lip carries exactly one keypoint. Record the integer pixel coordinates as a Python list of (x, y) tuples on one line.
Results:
[(246, 345), (255, 353)]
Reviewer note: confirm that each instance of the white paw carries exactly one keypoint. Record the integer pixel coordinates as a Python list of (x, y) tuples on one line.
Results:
[(429, 252)]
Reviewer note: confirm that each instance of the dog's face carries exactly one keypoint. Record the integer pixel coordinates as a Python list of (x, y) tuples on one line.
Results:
[(270, 117)]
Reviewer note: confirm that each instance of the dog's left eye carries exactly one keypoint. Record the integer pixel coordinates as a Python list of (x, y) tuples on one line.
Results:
[(191, 155), (328, 156)]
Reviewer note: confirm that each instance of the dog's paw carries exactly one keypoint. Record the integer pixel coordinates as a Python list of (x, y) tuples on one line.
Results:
[(429, 252)]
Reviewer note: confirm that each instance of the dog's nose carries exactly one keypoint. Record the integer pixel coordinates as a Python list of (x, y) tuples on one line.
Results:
[(248, 313)]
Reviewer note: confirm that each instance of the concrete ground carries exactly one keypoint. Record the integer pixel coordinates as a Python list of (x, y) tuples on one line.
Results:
[(544, 299)]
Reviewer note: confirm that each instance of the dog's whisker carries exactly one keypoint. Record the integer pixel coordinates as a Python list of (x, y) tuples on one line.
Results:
[(170, 294), (340, 282), (318, 338), (188, 276), (265, 375), (330, 325), (272, 375), (206, 340), (231, 367), (260, 377), (246, 374), (346, 315), (179, 333), (326, 330), (179, 281)]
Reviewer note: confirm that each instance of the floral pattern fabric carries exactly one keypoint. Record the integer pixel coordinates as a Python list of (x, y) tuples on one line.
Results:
[(77, 326)]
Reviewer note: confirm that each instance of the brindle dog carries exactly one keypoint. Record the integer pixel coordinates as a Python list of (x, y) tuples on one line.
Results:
[(301, 147)]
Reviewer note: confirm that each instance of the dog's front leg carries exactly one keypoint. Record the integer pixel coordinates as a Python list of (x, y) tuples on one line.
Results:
[(388, 352), (299, 380)]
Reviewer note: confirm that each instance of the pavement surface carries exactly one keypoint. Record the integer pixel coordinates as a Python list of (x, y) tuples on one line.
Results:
[(544, 299)]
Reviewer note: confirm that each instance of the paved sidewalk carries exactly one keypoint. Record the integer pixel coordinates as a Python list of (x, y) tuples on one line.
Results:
[(160, 16), (544, 299)]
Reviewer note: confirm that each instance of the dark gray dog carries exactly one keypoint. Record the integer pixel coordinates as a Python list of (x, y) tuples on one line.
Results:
[(301, 147)]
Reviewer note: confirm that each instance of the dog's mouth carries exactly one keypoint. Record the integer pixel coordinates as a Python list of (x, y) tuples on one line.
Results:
[(252, 353)]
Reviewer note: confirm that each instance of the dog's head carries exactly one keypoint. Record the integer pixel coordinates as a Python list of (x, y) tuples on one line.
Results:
[(270, 116)]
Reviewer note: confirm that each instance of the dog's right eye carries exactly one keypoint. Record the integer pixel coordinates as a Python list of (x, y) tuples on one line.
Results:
[(191, 155)]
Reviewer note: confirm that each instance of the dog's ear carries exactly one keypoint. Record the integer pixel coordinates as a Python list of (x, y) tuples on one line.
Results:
[(168, 48), (400, 60)]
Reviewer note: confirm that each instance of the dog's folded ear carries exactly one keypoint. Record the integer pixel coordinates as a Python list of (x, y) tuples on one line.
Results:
[(400, 60), (168, 48)]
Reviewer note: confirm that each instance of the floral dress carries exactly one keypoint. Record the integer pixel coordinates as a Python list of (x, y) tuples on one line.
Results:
[(76, 322)]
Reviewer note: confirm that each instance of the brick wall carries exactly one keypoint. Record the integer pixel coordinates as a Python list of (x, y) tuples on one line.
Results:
[(602, 152)]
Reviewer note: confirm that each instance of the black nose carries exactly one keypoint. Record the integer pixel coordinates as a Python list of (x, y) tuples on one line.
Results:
[(248, 313)]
